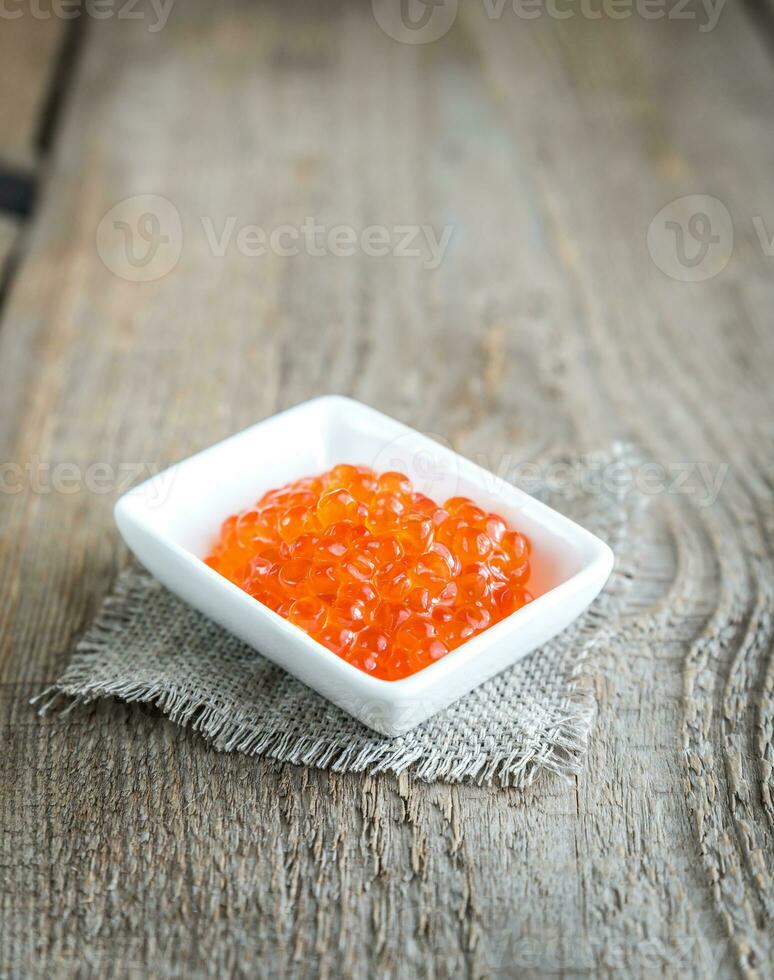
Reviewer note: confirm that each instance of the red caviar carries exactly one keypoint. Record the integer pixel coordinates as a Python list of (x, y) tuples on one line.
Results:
[(381, 575)]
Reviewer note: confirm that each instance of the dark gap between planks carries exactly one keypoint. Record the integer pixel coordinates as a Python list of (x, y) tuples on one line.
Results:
[(18, 190)]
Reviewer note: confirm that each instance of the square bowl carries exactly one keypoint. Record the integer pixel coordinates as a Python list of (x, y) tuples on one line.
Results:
[(171, 521)]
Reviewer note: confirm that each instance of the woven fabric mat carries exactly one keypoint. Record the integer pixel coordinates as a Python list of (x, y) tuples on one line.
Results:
[(146, 645)]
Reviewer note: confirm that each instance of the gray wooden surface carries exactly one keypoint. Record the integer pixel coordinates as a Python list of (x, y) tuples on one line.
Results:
[(129, 848)]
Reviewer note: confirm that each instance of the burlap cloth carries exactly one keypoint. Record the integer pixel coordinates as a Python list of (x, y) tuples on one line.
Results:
[(146, 645)]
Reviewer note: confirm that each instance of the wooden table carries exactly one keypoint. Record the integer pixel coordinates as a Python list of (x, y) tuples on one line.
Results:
[(549, 146)]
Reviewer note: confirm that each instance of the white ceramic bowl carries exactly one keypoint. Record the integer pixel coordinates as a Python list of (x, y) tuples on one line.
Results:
[(171, 521)]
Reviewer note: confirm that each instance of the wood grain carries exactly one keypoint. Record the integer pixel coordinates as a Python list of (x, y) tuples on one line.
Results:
[(130, 848), (28, 48)]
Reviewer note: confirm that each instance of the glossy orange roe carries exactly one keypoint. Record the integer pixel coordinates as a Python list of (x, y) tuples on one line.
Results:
[(381, 575)]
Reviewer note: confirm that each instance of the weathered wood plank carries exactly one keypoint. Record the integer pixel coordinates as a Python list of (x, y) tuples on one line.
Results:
[(549, 146), (651, 333), (28, 49)]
